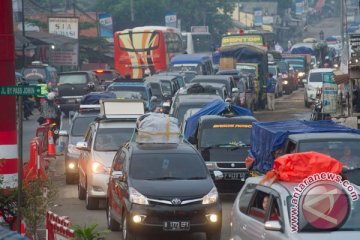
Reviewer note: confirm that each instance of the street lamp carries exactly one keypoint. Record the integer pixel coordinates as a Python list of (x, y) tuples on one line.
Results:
[(51, 60)]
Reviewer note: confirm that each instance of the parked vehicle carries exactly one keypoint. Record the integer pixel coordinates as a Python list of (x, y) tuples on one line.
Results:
[(38, 70), (200, 63), (224, 79), (72, 86), (102, 140)]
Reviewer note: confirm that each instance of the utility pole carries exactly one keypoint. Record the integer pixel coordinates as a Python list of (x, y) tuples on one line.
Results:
[(132, 10)]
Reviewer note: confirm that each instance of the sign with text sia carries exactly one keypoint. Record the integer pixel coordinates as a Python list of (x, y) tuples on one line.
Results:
[(20, 90), (65, 26)]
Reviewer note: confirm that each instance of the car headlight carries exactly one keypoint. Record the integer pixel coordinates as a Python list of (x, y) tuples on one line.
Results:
[(211, 165), (301, 74), (336, 65), (211, 197), (286, 82), (72, 149), (136, 197), (97, 167)]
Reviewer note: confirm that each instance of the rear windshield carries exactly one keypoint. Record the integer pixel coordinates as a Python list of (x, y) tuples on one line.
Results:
[(80, 125), (123, 91), (73, 79), (171, 166), (315, 77), (32, 75)]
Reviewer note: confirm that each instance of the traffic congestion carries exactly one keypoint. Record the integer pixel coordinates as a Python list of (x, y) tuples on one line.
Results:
[(185, 132)]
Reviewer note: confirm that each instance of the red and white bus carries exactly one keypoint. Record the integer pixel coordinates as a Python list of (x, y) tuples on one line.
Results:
[(145, 49)]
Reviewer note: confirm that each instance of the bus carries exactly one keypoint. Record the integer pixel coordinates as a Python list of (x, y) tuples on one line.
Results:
[(252, 37), (145, 50), (198, 42)]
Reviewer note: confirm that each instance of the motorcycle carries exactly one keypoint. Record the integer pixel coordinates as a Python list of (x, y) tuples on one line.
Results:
[(317, 113)]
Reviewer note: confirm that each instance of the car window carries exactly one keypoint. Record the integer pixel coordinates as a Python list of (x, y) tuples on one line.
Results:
[(73, 79), (80, 125), (257, 209), (315, 77), (119, 160), (89, 137), (110, 139), (160, 165), (246, 197)]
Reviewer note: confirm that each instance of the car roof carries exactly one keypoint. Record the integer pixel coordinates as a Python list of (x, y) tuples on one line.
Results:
[(191, 98), (315, 70), (190, 58), (148, 148), (324, 136), (209, 77), (159, 78), (137, 84)]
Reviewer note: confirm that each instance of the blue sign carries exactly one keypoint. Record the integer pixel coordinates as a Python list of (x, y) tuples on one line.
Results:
[(299, 10), (171, 20), (258, 17), (106, 25)]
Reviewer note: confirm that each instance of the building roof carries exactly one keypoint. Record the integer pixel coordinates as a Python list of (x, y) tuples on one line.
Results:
[(44, 38)]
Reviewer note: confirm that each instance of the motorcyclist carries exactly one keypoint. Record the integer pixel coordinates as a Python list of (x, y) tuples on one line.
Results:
[(49, 110)]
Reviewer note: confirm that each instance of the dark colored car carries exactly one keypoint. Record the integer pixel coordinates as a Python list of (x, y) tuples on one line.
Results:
[(106, 76), (78, 126), (224, 142), (38, 70), (225, 79), (149, 192), (72, 86)]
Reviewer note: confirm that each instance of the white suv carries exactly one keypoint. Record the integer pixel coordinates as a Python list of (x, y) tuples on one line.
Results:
[(314, 83)]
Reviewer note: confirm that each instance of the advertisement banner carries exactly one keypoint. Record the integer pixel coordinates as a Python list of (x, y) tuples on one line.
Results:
[(299, 7), (106, 26), (329, 93), (65, 26), (171, 20), (258, 17)]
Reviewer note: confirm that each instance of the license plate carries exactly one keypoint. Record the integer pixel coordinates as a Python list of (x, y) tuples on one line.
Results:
[(177, 226), (234, 176), (71, 100)]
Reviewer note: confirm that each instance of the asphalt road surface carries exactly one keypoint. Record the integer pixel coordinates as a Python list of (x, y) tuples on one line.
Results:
[(68, 204)]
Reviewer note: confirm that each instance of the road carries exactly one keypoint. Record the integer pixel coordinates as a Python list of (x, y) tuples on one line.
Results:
[(68, 204)]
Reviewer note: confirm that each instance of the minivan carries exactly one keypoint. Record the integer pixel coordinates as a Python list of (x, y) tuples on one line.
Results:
[(200, 63)]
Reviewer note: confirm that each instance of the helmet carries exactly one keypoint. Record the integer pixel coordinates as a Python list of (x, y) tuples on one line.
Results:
[(50, 96), (91, 86)]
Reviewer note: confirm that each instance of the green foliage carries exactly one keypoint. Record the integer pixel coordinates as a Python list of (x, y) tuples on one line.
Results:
[(39, 195), (88, 232)]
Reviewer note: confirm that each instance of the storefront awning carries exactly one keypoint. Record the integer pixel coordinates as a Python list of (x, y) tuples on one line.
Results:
[(340, 77), (44, 38)]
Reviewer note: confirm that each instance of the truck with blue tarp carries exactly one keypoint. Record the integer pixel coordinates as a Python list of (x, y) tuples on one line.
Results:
[(270, 140), (221, 133)]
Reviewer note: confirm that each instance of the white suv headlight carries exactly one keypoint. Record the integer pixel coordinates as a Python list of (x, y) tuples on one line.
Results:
[(136, 197), (211, 197), (97, 167)]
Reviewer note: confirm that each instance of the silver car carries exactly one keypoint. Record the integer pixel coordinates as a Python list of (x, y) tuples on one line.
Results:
[(102, 139), (267, 211)]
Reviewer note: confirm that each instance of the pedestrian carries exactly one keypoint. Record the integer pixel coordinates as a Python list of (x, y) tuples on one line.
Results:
[(270, 92)]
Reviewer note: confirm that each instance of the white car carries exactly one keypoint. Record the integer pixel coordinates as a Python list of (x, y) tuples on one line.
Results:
[(314, 83), (263, 211)]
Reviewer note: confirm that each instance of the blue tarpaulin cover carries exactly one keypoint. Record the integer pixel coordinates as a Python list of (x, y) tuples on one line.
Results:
[(216, 107), (302, 50), (267, 137), (94, 97)]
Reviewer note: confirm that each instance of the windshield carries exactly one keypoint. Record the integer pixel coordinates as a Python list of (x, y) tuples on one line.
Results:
[(32, 75), (346, 151), (170, 165), (73, 79), (294, 61), (351, 222), (315, 77), (80, 125), (246, 70), (202, 43), (129, 92), (110, 139), (186, 67), (272, 70), (226, 134), (155, 88)]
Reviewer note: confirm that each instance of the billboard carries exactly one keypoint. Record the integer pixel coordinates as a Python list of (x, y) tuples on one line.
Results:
[(329, 93), (258, 17), (106, 26), (252, 39), (65, 26)]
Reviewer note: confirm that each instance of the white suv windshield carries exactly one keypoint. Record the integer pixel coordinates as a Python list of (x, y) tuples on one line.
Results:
[(110, 139)]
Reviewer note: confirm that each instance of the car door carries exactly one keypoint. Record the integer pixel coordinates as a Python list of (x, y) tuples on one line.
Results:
[(85, 155), (115, 192)]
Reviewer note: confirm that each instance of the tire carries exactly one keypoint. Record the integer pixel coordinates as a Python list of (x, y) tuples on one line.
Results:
[(112, 224), (70, 178), (81, 192), (126, 234), (213, 235), (91, 203)]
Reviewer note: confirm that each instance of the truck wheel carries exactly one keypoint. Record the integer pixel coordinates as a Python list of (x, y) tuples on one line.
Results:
[(91, 202)]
